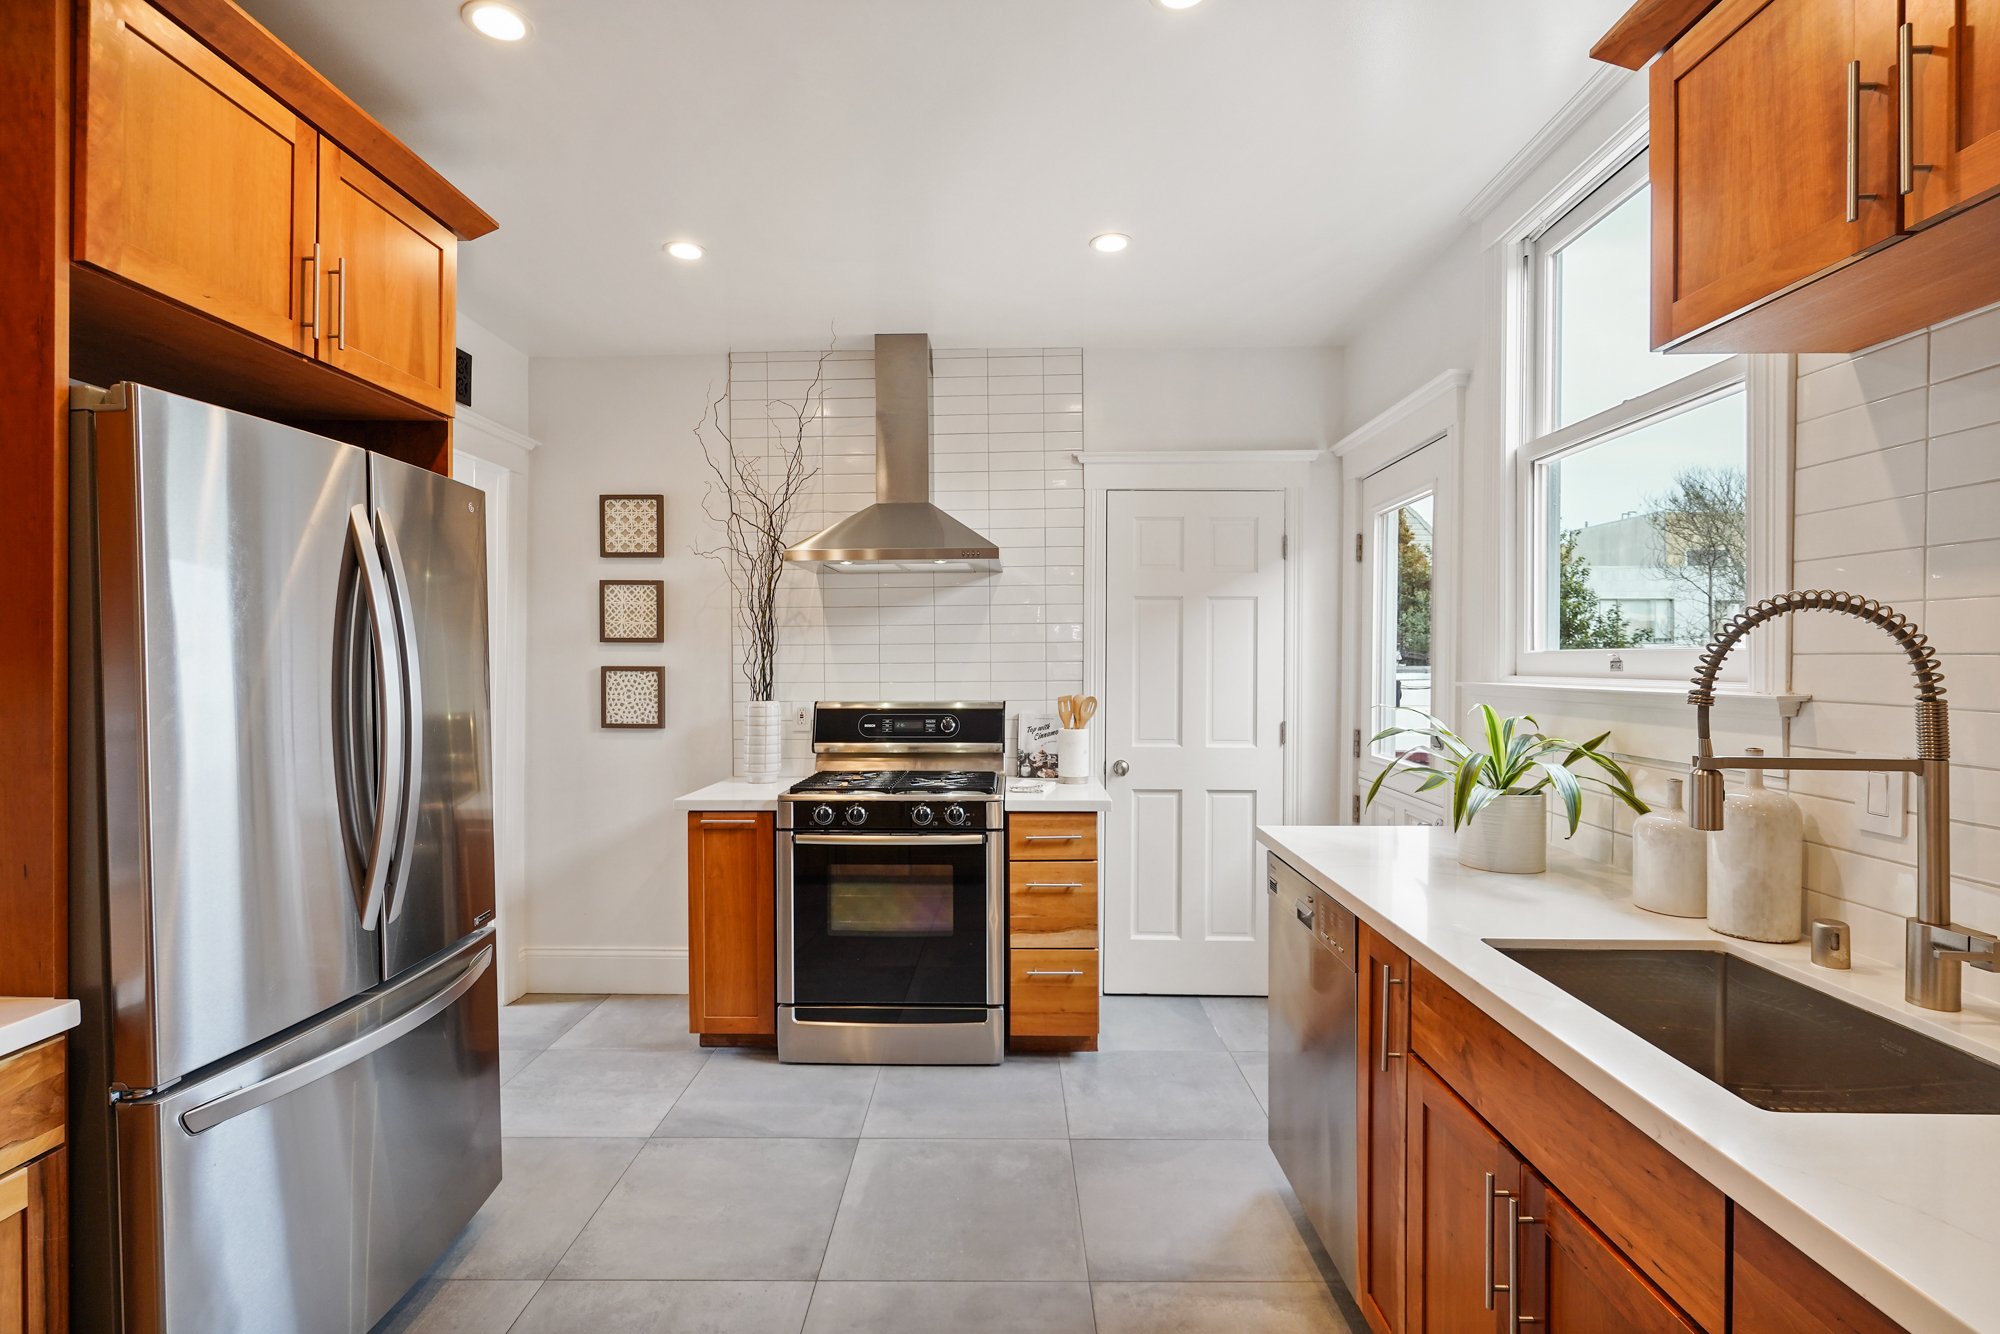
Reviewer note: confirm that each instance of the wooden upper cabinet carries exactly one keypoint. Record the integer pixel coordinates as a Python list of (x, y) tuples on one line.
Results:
[(1385, 1033), (1757, 115), (1456, 1222), (732, 923), (390, 286), (1954, 101), (191, 180)]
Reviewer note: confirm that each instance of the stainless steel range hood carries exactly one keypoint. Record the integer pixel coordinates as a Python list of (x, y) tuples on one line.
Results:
[(902, 530)]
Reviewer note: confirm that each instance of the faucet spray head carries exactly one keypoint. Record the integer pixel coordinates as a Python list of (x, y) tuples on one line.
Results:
[(1704, 802)]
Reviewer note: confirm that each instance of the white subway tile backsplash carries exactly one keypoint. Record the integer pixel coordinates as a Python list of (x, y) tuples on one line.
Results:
[(1968, 344), (1965, 457), (1968, 401), (1883, 525), (1965, 514), (1964, 570), (1876, 374), (1876, 475)]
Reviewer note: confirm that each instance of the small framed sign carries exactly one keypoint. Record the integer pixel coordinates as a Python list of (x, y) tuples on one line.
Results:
[(629, 611), (631, 525), (633, 696)]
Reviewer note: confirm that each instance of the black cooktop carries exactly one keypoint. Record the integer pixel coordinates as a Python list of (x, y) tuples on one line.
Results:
[(901, 782)]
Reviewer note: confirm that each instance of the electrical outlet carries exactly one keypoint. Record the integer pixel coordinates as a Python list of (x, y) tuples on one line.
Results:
[(1883, 799), (798, 723)]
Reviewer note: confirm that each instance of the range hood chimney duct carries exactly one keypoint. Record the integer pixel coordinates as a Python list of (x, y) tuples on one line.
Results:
[(902, 530)]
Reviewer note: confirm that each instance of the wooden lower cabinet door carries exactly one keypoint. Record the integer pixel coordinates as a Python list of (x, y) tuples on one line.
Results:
[(1573, 1280), (33, 1258), (1385, 1032), (732, 924), (390, 286), (1778, 1289), (1454, 1215)]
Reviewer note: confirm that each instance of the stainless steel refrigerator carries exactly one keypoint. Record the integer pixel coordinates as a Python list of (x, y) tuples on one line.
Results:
[(286, 1095)]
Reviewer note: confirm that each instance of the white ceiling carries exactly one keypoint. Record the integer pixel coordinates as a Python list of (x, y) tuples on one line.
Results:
[(941, 164)]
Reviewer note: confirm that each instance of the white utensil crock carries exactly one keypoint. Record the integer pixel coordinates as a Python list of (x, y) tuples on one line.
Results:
[(1510, 834), (1073, 755), (763, 729)]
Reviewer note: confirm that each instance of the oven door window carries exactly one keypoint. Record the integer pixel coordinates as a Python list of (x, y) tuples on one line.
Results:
[(900, 925)]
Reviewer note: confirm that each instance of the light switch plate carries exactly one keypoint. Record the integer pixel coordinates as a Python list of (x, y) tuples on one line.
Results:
[(1881, 810)]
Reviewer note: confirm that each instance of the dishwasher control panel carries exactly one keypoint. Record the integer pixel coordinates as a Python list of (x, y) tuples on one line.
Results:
[(1334, 925)]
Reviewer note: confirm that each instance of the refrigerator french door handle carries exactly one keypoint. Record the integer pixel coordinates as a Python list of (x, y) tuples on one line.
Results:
[(412, 722), (215, 1111), (389, 697)]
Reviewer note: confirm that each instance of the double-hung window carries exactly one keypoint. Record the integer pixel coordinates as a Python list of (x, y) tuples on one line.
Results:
[(1635, 468)]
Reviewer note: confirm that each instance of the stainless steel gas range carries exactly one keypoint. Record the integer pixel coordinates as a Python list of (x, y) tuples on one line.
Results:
[(891, 889)]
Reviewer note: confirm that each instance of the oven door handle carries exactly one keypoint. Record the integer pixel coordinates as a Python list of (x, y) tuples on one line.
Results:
[(885, 840)]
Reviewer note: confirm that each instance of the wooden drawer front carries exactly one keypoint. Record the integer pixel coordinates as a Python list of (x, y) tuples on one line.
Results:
[(34, 1256), (1055, 837), (1052, 905), (1671, 1224), (1779, 1289), (32, 1103), (1053, 994)]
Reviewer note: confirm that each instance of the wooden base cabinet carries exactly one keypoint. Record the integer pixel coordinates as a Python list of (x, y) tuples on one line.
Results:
[(1779, 1289), (1052, 939), (1571, 1278), (1459, 1171), (1383, 1091), (34, 1194), (732, 926)]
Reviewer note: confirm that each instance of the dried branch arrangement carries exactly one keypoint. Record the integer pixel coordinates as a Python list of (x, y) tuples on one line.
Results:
[(755, 497)]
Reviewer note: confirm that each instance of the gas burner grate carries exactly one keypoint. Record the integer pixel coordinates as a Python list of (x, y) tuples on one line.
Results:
[(837, 781)]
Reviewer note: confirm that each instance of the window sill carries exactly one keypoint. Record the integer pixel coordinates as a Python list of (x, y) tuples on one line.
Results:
[(1649, 699)]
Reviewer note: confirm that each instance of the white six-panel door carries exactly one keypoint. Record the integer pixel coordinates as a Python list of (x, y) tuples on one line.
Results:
[(1193, 700)]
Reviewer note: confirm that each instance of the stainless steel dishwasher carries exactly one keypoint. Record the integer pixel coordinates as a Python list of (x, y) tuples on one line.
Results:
[(1315, 1050)]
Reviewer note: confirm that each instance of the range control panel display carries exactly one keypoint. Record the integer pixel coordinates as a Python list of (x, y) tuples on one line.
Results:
[(958, 725), (909, 726)]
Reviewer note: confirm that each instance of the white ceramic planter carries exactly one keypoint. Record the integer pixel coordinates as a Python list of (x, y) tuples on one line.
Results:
[(1510, 834), (763, 730)]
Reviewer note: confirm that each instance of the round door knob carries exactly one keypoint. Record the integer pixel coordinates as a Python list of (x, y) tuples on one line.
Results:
[(922, 815), (857, 815), (956, 815), (1120, 768), (822, 815)]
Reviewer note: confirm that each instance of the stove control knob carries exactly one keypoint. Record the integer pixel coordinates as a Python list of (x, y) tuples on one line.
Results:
[(822, 815), (922, 815), (948, 724), (956, 816), (857, 814)]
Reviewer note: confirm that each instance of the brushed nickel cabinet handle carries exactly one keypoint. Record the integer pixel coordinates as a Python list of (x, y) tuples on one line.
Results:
[(1516, 1220), (1053, 884), (1488, 1194), (706, 821), (337, 275), (1055, 972), (1907, 49), (1053, 838), (310, 264), (1854, 87), (1382, 1063)]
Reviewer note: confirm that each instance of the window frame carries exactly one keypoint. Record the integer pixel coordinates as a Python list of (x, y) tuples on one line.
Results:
[(1620, 176)]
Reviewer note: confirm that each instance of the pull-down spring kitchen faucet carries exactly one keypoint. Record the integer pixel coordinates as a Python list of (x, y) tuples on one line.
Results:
[(1934, 949)]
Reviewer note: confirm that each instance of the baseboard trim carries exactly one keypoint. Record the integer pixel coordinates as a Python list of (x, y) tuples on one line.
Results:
[(607, 969)]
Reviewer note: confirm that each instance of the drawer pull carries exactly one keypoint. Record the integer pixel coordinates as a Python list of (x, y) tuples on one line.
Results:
[(1054, 838), (1055, 972), (1053, 884), (706, 821)]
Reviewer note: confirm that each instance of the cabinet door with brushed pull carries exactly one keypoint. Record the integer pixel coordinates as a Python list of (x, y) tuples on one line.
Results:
[(1463, 1183), (1949, 90), (1385, 1031), (1570, 1279)]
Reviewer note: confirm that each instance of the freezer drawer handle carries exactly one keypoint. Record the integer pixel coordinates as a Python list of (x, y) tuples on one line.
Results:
[(252, 1096), (389, 692), (412, 722)]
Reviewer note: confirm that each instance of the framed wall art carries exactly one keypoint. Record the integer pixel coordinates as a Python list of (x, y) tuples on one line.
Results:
[(633, 696), (631, 526), (631, 611)]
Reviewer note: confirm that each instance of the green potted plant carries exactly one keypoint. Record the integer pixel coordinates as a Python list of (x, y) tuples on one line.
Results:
[(1499, 795)]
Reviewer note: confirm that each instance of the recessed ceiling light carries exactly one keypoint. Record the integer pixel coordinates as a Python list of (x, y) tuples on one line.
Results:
[(1110, 243), (684, 250), (501, 22), (1176, 4)]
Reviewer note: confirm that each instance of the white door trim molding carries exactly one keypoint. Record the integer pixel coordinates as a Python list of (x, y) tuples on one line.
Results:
[(1286, 470)]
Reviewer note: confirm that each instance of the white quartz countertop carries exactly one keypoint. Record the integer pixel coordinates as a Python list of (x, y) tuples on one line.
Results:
[(736, 794), (1060, 797), (1904, 1209), (26, 1020)]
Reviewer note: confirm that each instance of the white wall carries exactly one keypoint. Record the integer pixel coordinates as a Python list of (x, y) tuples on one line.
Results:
[(607, 853), (499, 375), (1211, 398)]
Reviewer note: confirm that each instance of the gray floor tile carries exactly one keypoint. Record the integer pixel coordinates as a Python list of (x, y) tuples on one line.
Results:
[(458, 1307), (1194, 1211), (549, 1188), (1159, 1095), (1241, 1020), (932, 1308), (958, 1209), (1019, 1099), (716, 1208), (1256, 1068), (1155, 1023), (512, 1060), (749, 1093), (639, 1023), (575, 1093), (1217, 1308), (666, 1308), (534, 1022)]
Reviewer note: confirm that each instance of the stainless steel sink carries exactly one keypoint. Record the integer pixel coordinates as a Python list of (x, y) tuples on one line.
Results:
[(1773, 1042)]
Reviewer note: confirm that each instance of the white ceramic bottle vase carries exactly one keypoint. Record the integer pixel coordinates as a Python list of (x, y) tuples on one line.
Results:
[(1756, 864), (1669, 860)]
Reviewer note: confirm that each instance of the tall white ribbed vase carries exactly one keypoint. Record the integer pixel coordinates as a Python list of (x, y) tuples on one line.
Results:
[(1756, 864), (763, 729)]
